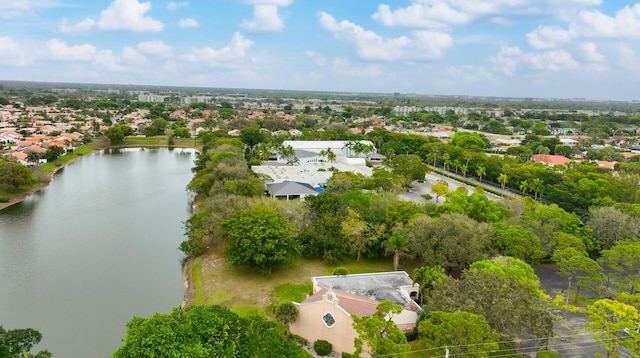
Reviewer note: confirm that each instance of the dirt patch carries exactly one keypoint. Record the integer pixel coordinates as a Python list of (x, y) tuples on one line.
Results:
[(187, 274)]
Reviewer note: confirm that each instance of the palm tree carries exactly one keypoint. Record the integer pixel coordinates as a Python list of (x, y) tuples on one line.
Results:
[(482, 171), (524, 186), (331, 156), (396, 244), (456, 165), (445, 158), (503, 179), (431, 157), (425, 276), (464, 169), (349, 147), (33, 158), (536, 186)]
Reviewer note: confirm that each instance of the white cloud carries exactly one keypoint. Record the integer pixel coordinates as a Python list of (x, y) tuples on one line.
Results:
[(265, 15), (510, 59), (19, 8), (10, 52), (371, 46), (80, 27), (129, 15), (60, 51), (188, 22), (625, 23), (590, 52), (173, 6), (237, 48), (265, 18), (316, 57), (132, 56), (545, 37), (438, 13), (155, 48), (104, 59)]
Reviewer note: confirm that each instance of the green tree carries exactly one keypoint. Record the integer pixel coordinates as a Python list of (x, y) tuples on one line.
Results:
[(397, 245), (425, 276), (481, 172), (204, 331), (53, 153), (251, 136), (585, 272), (260, 237), (409, 168), (503, 179), (115, 135), (14, 176), (380, 333), (623, 263), (510, 266), (610, 320), (182, 132), (440, 188), (511, 307), (468, 140), (464, 334), (18, 343), (286, 313), (516, 241), (361, 236), (452, 241), (609, 225)]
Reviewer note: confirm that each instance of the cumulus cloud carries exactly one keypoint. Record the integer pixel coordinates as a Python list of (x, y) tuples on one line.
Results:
[(371, 46), (266, 17), (128, 15), (173, 5), (155, 48), (60, 51), (237, 48), (545, 37), (132, 56), (188, 22), (10, 52), (510, 59), (438, 13)]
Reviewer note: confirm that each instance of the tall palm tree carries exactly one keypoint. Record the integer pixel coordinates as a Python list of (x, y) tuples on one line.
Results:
[(482, 171), (396, 244), (445, 158), (503, 179), (331, 156), (537, 185), (431, 157), (524, 186)]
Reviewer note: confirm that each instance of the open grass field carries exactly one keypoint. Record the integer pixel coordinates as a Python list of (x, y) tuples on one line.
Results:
[(247, 291)]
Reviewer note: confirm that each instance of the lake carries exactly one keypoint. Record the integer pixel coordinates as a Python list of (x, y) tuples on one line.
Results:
[(96, 247)]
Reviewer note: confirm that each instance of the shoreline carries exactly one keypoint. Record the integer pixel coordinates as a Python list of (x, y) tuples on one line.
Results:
[(187, 269)]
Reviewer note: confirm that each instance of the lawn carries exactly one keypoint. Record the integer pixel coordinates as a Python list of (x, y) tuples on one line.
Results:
[(78, 152), (247, 291)]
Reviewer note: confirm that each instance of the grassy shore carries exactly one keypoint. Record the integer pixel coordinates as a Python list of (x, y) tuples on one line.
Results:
[(247, 291)]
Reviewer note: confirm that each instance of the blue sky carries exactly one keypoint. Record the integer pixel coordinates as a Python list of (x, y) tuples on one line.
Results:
[(519, 48)]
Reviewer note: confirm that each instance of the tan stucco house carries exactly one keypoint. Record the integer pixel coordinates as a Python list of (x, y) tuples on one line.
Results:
[(326, 314)]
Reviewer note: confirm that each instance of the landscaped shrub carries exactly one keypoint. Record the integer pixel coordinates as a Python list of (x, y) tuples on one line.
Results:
[(412, 336), (4, 199), (322, 347), (341, 271), (547, 354), (346, 355)]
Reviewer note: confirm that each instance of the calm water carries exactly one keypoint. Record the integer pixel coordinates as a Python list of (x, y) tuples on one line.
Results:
[(96, 247)]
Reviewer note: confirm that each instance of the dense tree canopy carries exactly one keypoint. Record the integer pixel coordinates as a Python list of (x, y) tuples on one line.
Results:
[(14, 176), (18, 343), (204, 331), (260, 237)]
